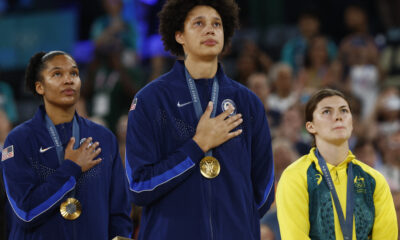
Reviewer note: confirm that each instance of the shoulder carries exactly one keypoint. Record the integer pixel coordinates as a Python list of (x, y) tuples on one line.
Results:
[(22, 132), (375, 174), (156, 87), (293, 180), (298, 167), (244, 94), (97, 129)]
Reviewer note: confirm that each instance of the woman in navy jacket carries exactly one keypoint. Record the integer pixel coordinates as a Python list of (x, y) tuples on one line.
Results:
[(199, 175), (63, 175)]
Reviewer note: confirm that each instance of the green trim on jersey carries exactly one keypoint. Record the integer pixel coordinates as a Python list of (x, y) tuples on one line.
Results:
[(321, 209)]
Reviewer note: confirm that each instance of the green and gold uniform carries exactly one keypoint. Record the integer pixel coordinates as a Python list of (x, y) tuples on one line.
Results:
[(306, 209)]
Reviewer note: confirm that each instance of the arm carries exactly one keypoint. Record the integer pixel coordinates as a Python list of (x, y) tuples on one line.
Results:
[(262, 170), (292, 206), (149, 176), (31, 199), (385, 223), (120, 206)]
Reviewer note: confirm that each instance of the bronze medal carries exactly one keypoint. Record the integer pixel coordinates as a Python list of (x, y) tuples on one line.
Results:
[(209, 167), (70, 209)]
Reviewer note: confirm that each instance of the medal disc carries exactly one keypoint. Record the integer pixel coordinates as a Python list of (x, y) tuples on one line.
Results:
[(70, 209), (209, 167)]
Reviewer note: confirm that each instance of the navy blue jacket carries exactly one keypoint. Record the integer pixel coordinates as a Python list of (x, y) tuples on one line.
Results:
[(36, 184), (163, 163)]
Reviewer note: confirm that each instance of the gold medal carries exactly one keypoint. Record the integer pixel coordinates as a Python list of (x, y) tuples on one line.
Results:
[(71, 209), (209, 167)]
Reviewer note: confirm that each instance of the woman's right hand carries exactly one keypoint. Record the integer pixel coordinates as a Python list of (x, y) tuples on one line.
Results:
[(212, 132), (84, 155)]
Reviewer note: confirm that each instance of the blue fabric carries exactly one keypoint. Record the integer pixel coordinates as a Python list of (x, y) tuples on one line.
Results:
[(267, 192), (161, 125), (36, 184), (160, 179), (43, 207)]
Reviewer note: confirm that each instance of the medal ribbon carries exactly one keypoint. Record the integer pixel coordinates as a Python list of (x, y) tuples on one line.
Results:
[(345, 224), (57, 142), (56, 138), (196, 100)]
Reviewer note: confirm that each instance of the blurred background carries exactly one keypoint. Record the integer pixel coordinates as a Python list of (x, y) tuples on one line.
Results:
[(283, 52)]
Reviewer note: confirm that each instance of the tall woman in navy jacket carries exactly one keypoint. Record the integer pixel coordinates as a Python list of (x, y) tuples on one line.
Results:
[(202, 170), (63, 175)]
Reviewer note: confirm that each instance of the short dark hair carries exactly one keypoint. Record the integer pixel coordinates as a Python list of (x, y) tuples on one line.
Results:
[(174, 12), (36, 65)]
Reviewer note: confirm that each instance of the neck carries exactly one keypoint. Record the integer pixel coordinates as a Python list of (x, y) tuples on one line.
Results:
[(59, 115), (201, 68), (333, 154)]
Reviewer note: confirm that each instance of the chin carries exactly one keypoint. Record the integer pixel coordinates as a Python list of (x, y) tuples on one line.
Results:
[(212, 51), (210, 55), (68, 103), (339, 140)]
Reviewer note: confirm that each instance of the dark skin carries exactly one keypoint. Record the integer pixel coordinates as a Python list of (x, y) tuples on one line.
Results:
[(60, 88), (85, 155), (202, 42), (212, 132)]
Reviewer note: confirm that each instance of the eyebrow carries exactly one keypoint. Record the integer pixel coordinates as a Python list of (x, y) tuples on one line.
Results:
[(201, 17), (329, 107), (58, 68)]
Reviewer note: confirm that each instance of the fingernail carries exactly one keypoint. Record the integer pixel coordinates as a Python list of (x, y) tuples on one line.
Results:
[(210, 103)]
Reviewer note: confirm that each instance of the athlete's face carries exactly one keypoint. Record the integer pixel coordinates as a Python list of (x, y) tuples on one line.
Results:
[(203, 34), (332, 121), (60, 85)]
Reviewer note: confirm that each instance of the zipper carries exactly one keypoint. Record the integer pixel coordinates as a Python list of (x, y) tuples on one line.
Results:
[(210, 204), (209, 86), (337, 177)]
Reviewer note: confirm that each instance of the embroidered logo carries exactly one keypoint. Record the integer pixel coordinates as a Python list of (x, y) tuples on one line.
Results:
[(7, 153), (225, 105), (133, 105), (318, 177), (42, 150), (359, 184), (183, 104)]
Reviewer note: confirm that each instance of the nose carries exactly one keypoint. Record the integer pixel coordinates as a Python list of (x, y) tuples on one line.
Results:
[(68, 80), (338, 116), (210, 29)]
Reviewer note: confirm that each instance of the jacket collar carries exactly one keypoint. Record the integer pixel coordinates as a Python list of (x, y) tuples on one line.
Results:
[(40, 120), (350, 157), (178, 72)]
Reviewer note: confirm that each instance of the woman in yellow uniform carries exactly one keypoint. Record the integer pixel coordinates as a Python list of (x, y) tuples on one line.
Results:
[(329, 194)]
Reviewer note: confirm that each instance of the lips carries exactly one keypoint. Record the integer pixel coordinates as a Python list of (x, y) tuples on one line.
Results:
[(209, 42), (69, 91), (339, 128)]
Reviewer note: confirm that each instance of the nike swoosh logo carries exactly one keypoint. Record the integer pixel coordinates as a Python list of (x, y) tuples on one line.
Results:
[(44, 150), (183, 104)]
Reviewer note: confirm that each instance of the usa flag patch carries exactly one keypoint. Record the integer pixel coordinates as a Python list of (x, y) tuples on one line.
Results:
[(7, 153), (133, 105)]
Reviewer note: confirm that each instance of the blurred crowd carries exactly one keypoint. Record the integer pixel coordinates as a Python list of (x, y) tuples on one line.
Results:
[(283, 64)]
